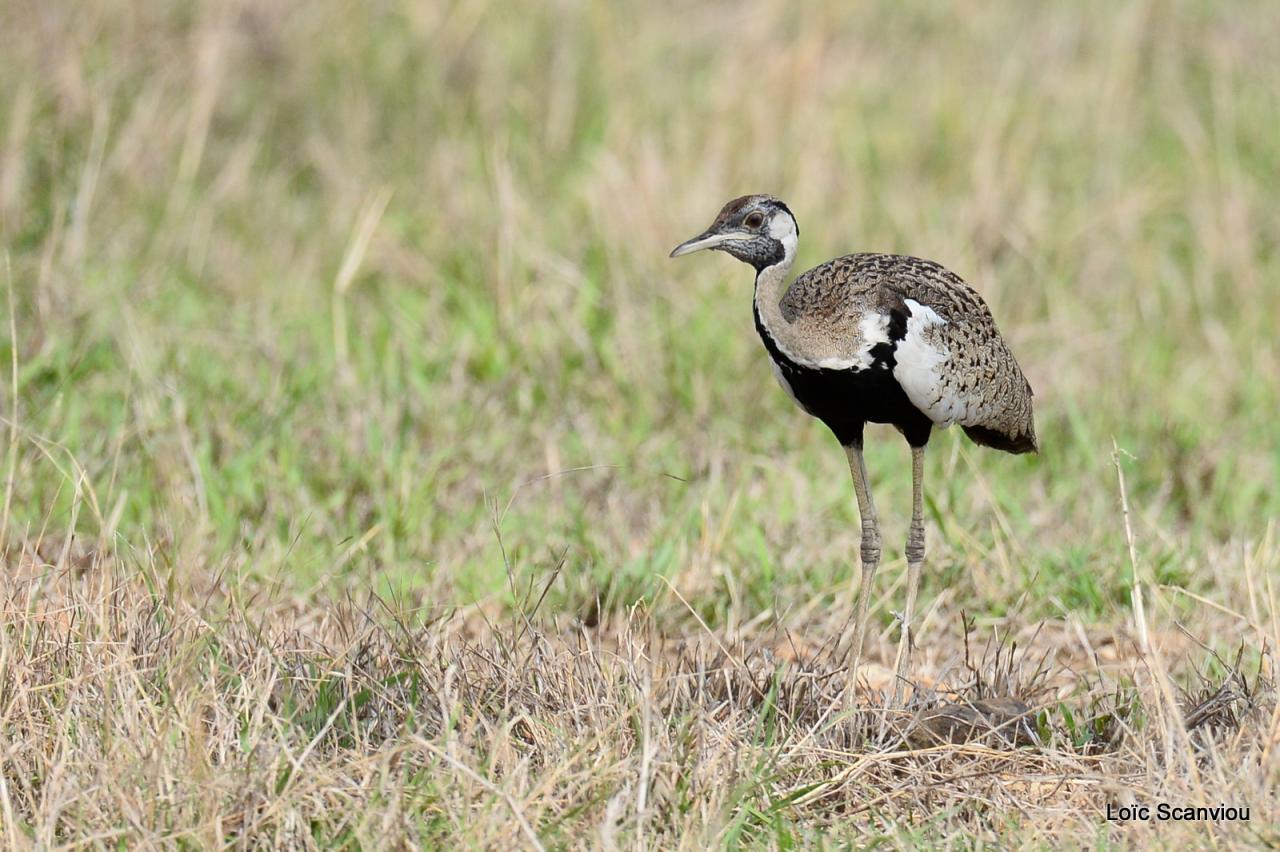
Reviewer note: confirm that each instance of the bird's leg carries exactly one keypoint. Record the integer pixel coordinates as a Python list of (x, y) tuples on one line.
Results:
[(915, 562), (870, 552)]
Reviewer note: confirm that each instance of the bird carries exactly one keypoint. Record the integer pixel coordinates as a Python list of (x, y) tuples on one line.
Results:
[(876, 338)]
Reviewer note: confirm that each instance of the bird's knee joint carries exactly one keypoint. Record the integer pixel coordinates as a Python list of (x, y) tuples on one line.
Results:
[(870, 551), (915, 545)]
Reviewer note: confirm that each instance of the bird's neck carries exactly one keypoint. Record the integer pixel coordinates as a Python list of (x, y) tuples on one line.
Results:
[(771, 286)]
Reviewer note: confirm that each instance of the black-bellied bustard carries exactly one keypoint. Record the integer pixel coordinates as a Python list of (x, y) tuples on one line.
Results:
[(877, 338)]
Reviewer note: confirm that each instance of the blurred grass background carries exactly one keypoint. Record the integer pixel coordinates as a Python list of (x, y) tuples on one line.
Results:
[(376, 295)]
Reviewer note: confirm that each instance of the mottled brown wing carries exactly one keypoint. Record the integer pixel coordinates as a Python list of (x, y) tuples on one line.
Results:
[(955, 366)]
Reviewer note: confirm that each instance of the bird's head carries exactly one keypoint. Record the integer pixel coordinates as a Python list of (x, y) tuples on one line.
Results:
[(756, 229)]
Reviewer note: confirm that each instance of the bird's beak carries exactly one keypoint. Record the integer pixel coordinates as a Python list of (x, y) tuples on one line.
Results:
[(708, 240)]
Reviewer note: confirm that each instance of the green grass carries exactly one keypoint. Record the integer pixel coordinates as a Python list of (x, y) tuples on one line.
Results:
[(326, 299)]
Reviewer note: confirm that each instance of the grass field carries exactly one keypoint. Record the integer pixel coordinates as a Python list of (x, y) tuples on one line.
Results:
[(371, 477)]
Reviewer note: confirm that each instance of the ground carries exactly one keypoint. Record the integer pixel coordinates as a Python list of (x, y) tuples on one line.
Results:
[(370, 476)]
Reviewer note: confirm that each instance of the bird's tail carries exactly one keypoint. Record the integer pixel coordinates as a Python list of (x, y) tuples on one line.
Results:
[(1024, 442)]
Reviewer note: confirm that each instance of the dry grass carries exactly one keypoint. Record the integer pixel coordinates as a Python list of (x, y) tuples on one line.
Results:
[(147, 720), (370, 478)]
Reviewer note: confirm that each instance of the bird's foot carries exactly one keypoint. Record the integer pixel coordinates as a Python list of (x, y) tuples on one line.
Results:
[(900, 619)]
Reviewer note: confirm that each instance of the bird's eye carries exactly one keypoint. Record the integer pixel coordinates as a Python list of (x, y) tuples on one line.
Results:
[(755, 220)]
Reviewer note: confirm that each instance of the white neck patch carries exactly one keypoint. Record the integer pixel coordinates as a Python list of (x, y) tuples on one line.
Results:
[(782, 227)]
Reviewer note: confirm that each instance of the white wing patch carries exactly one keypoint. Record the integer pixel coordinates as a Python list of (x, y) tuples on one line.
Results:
[(921, 361)]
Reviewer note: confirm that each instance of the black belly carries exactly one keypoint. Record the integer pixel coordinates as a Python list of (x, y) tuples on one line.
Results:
[(846, 400)]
